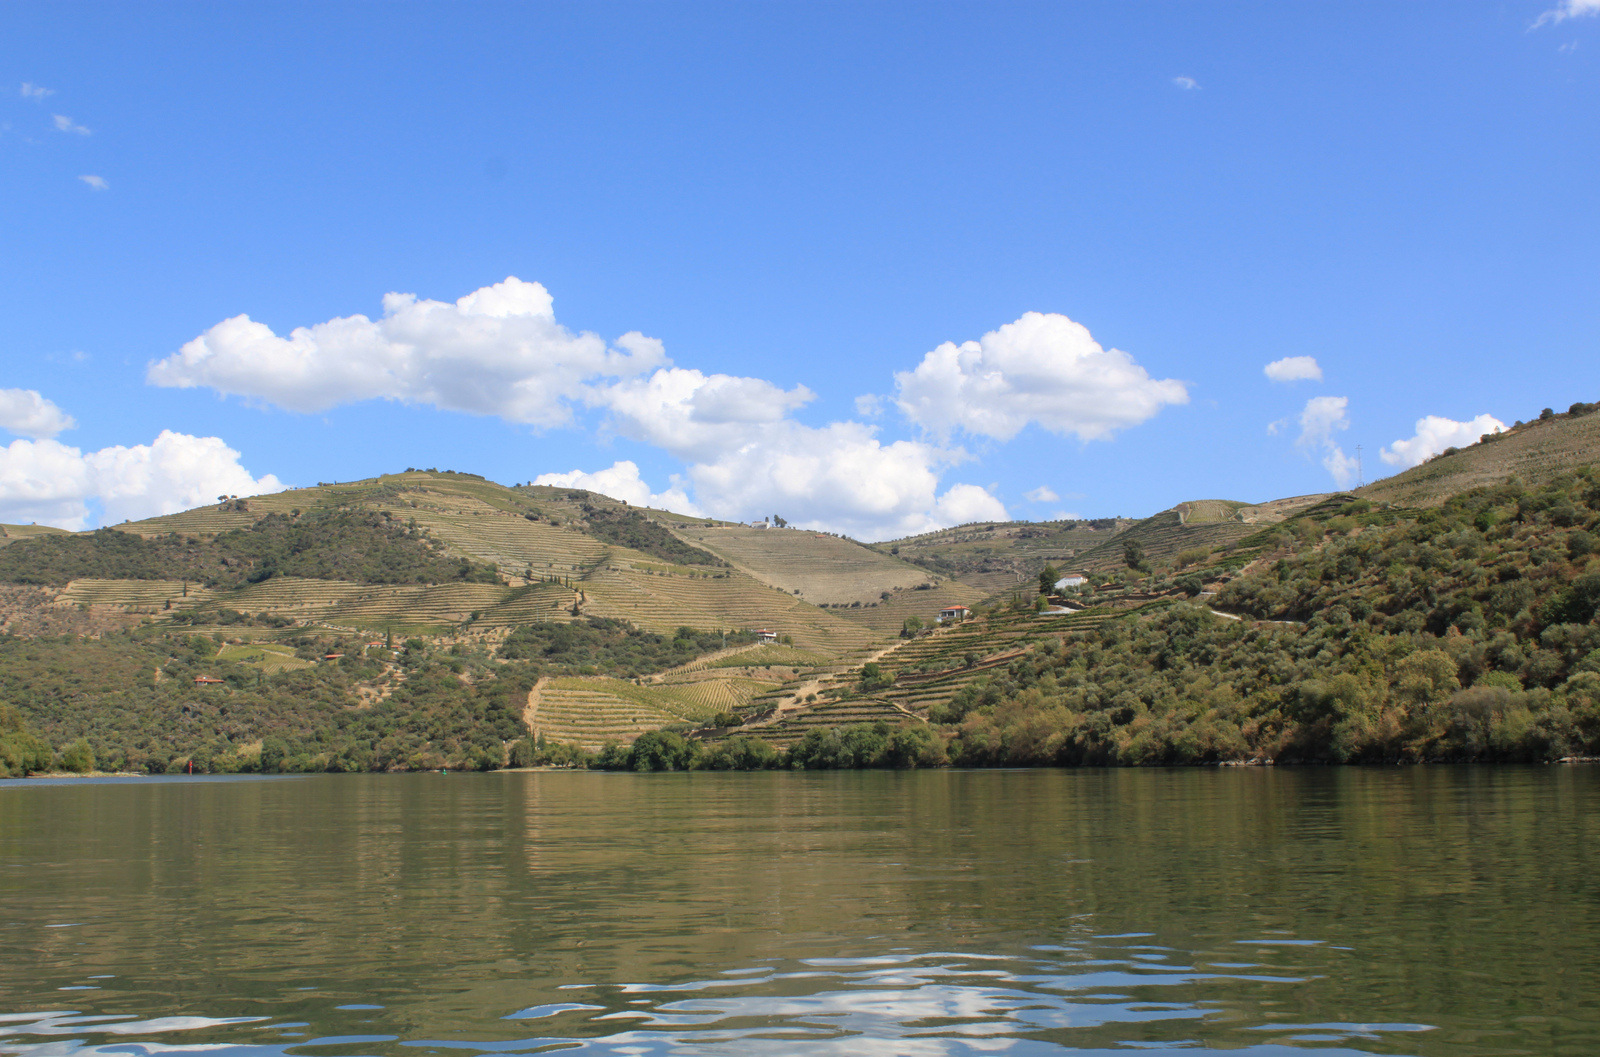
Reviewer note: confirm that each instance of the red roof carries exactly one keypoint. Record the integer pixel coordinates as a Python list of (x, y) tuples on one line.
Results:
[(208, 679), (956, 607)]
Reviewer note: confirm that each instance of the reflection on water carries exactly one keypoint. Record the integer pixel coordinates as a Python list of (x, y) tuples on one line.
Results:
[(1425, 911)]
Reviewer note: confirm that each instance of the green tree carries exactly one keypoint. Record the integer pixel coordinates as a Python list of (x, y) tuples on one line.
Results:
[(1047, 579), (1133, 556), (78, 757)]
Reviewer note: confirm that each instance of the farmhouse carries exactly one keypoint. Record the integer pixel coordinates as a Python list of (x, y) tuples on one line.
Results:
[(949, 613), (763, 635), (207, 680), (1071, 580)]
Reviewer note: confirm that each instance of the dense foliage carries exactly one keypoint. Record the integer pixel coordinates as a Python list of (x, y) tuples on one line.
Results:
[(362, 546), (630, 528), (132, 700), (860, 745), (1467, 632), (603, 646), (21, 750)]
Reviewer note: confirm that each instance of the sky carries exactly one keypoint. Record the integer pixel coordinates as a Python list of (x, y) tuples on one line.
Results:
[(874, 268)]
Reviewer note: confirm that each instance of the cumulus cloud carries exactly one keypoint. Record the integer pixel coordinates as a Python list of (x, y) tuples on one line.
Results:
[(54, 484), (1567, 9), (26, 413), (96, 182), (1042, 494), (1322, 417), (840, 477), (1188, 84), (65, 124), (1044, 368), (694, 415), (621, 480), (35, 91), (500, 351), (1294, 369), (1436, 433), (496, 351)]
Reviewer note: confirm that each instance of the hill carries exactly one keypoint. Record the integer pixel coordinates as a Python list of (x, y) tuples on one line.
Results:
[(1534, 452), (994, 557), (433, 552), (432, 618)]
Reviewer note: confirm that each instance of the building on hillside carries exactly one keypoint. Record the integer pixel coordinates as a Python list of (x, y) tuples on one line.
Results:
[(207, 680), (949, 613), (759, 524), (332, 656), (763, 635), (1071, 580)]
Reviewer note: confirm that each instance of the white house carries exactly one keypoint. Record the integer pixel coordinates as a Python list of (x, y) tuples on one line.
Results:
[(1071, 580), (949, 613), (763, 635)]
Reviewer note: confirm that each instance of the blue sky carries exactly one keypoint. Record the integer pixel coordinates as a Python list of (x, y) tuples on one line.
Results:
[(723, 248)]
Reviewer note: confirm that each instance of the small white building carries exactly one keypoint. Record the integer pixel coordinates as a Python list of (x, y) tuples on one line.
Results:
[(1071, 580), (949, 613), (763, 635)]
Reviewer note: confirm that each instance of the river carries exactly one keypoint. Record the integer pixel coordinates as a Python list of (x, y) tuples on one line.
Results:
[(1434, 910)]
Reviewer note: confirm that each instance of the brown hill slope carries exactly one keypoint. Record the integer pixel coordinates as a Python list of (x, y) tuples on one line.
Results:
[(1535, 452)]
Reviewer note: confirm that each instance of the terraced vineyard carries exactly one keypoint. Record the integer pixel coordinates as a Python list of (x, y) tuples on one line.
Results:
[(793, 726), (929, 670), (820, 568), (890, 615), (149, 596), (592, 711), (995, 557), (1163, 536)]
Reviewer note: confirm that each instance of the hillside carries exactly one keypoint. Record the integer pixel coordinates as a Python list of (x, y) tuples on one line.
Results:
[(428, 552), (432, 618), (994, 557), (823, 569), (1535, 452)]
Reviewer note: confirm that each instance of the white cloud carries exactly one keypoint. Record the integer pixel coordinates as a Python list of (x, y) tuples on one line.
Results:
[(35, 91), (1043, 494), (1322, 418), (1294, 369), (869, 405), (1188, 84), (496, 351), (621, 480), (1342, 467), (1277, 427), (65, 124), (49, 482), (693, 415), (1567, 9), (839, 477), (26, 413), (965, 503), (1043, 368), (96, 182), (1435, 434)]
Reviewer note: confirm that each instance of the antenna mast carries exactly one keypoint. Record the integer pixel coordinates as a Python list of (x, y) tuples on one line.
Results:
[(1360, 480)]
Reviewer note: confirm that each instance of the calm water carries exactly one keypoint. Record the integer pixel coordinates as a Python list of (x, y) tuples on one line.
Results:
[(1416, 911)]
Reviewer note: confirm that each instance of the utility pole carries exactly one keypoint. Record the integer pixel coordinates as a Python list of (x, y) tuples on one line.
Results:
[(1360, 480)]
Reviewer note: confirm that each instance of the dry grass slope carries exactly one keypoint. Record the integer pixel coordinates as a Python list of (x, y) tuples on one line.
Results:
[(822, 569), (1537, 452)]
